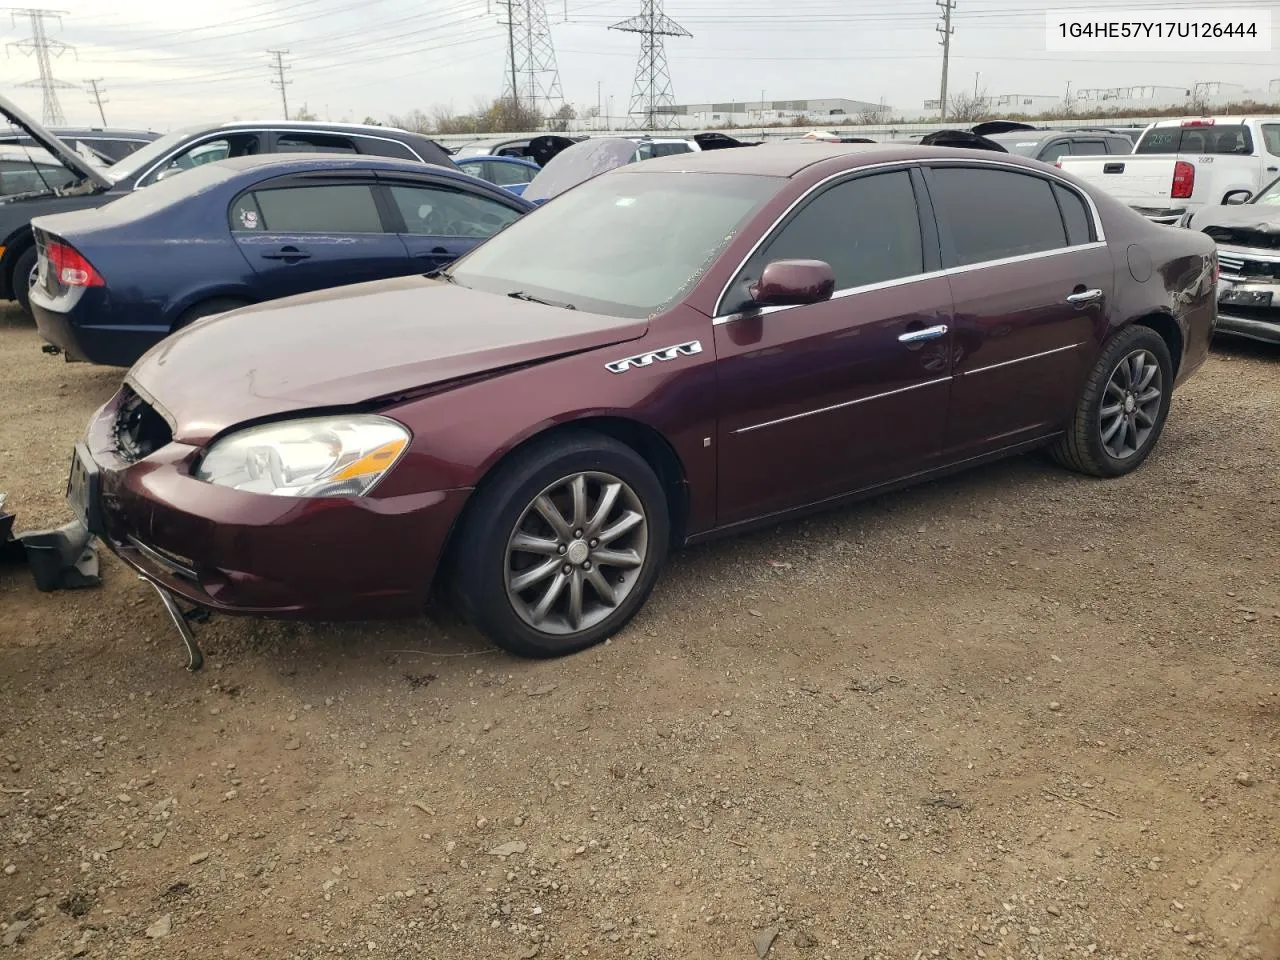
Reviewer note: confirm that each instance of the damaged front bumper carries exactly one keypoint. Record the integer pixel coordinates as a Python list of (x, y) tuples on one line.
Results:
[(59, 559)]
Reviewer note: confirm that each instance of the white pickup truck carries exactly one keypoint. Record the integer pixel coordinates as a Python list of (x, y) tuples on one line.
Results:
[(1179, 166)]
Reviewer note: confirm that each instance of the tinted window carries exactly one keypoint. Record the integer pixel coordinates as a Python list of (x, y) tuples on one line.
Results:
[(313, 143), (1234, 138), (505, 174), (245, 215), (1088, 148), (205, 151), (385, 148), (1119, 145), (115, 149), (995, 213), (336, 208), (1055, 151), (1075, 214), (1271, 137), (868, 229), (438, 212)]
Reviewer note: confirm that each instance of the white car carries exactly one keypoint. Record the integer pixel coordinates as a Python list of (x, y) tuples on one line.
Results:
[(1180, 166)]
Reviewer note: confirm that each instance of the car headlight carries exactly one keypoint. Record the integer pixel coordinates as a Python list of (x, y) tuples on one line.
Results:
[(339, 456)]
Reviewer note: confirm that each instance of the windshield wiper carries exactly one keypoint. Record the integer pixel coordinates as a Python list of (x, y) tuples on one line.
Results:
[(530, 298), (440, 273)]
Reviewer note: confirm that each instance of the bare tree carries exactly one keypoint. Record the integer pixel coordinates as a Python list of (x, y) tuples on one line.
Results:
[(302, 113), (562, 118), (510, 116), (415, 120), (870, 117), (968, 108)]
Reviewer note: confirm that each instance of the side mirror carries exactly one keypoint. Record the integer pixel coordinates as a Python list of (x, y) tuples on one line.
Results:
[(1237, 197), (792, 282)]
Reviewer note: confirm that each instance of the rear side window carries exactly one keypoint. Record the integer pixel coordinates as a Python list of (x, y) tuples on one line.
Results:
[(1119, 145), (1230, 139), (313, 143), (868, 229), (1074, 214), (385, 148), (1088, 148), (993, 214), (332, 208), (245, 215)]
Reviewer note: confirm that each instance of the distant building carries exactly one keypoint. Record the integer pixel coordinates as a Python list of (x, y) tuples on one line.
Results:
[(755, 113)]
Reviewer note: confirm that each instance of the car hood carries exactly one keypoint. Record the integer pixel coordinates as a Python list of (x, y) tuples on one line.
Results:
[(66, 156), (351, 345), (1246, 217)]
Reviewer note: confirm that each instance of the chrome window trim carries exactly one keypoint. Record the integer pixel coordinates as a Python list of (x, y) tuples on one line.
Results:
[(1031, 356), (222, 132), (1049, 173), (915, 277), (841, 406)]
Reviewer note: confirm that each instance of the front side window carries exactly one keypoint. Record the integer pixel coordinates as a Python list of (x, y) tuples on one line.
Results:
[(1271, 138), (507, 174), (1270, 196), (867, 229), (331, 208), (207, 151), (438, 212), (993, 214), (626, 244)]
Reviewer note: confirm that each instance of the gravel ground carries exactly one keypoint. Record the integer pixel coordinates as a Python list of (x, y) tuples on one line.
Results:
[(1013, 714)]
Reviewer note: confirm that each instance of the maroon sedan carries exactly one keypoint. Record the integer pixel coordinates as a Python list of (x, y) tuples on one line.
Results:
[(672, 351)]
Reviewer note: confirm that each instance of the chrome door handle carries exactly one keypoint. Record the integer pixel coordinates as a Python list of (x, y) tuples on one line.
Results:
[(928, 333), (1084, 296)]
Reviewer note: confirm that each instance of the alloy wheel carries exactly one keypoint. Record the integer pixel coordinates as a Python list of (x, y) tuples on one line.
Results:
[(1131, 404), (576, 552)]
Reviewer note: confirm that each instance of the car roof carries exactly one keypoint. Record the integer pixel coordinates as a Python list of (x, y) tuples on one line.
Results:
[(1227, 120), (335, 161), (790, 158)]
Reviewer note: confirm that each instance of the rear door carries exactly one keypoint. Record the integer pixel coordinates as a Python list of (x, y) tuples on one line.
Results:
[(311, 232), (438, 221), (1031, 289)]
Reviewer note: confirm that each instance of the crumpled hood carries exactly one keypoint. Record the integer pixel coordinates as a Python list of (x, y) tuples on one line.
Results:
[(345, 346), (1247, 216)]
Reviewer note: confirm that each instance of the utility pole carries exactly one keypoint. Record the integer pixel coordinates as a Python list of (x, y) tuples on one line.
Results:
[(280, 67), (652, 90), (510, 24), (946, 30), (599, 85), (44, 50), (976, 75), (97, 98)]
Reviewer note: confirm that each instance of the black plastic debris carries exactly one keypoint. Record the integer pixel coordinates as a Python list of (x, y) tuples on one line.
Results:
[(59, 559)]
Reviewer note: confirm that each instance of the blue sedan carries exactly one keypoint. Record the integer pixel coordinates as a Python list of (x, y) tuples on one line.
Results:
[(114, 281), (510, 173)]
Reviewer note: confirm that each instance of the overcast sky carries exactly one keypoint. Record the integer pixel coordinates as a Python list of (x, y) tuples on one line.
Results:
[(166, 64)]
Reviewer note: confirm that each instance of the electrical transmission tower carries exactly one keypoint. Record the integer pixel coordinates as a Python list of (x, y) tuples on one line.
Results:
[(946, 30), (652, 97), (39, 45), (531, 78), (279, 67), (97, 98)]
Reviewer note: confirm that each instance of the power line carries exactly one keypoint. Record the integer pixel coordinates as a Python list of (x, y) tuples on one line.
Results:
[(97, 98), (280, 67), (44, 50), (652, 94)]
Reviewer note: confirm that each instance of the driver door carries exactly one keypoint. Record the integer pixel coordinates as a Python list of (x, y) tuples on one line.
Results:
[(440, 223)]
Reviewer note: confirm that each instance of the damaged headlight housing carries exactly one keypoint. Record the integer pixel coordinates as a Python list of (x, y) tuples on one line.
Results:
[(339, 456)]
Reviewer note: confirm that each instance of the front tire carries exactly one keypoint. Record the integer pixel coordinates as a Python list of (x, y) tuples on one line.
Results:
[(1122, 409), (562, 545)]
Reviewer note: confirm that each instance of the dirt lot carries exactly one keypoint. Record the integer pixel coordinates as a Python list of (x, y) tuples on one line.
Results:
[(1017, 713)]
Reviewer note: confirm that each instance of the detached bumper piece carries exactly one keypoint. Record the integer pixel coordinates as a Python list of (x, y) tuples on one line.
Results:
[(60, 559)]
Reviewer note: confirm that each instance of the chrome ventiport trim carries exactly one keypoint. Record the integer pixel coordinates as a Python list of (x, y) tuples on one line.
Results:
[(645, 359)]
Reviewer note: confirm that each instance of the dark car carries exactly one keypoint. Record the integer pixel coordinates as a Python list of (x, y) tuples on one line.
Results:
[(108, 144), (1049, 146), (676, 350), (94, 185), (114, 281), (1247, 232)]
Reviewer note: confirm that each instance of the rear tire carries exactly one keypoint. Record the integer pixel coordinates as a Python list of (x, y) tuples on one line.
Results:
[(24, 276), (1122, 409), (207, 308), (561, 546)]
